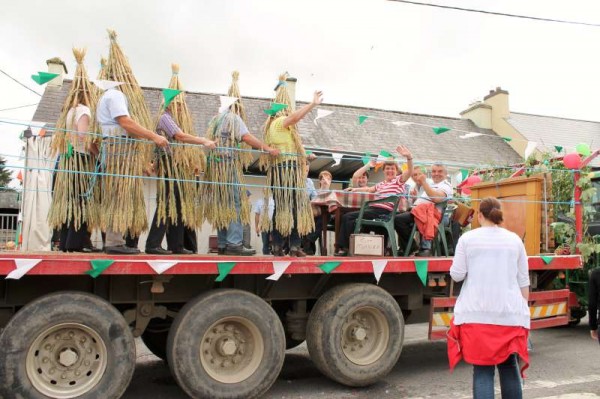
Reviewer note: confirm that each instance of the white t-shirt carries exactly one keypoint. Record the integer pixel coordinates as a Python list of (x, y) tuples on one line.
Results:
[(73, 117), (111, 105), (493, 264), (443, 185), (259, 207)]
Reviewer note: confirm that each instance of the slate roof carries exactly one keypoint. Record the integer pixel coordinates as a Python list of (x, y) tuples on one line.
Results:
[(548, 131), (340, 132)]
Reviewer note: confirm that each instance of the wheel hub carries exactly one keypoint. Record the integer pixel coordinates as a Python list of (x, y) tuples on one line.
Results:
[(365, 335), (68, 357)]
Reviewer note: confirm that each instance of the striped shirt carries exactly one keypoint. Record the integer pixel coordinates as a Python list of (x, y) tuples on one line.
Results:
[(393, 187), (167, 126)]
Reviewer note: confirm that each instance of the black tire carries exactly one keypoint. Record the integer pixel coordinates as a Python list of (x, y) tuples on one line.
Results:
[(329, 342), (210, 318), (66, 317), (291, 343), (155, 337)]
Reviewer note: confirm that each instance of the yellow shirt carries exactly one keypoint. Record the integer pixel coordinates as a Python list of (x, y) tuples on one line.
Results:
[(281, 138)]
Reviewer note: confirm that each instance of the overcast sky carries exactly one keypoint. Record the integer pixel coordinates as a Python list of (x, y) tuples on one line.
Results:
[(371, 53)]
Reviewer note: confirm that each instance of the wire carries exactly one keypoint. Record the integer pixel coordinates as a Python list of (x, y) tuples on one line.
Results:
[(562, 21), (31, 90), (20, 106)]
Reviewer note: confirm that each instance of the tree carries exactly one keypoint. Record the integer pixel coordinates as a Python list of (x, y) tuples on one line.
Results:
[(5, 176)]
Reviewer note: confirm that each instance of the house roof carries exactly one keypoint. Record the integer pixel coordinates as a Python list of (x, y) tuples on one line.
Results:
[(340, 131), (550, 131)]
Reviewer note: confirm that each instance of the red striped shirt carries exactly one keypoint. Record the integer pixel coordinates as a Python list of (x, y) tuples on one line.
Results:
[(386, 188)]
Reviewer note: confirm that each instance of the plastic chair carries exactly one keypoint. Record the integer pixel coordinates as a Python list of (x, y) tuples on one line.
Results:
[(386, 222), (439, 236), (443, 230)]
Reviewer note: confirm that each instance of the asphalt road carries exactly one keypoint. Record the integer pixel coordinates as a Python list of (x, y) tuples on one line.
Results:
[(565, 364)]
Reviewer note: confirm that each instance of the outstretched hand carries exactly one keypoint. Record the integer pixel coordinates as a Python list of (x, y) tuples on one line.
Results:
[(317, 97), (404, 151)]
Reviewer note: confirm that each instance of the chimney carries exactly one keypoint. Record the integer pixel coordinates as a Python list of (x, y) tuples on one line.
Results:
[(56, 65), (291, 86), (491, 112), (498, 100)]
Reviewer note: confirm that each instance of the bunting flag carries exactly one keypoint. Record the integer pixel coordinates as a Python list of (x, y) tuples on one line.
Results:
[(547, 259), (384, 156), (23, 267), (507, 139), (558, 148), (169, 95), (440, 130), (106, 84), (98, 266), (69, 152), (43, 77), (42, 133), (401, 123), (378, 268), (328, 267), (337, 158), (35, 130), (421, 267), (226, 102), (470, 135), (464, 173), (161, 266), (224, 269), (275, 108), (322, 113), (366, 159), (362, 119), (530, 148), (278, 268)]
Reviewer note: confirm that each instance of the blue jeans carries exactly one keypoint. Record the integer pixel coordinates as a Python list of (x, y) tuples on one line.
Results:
[(510, 380), (234, 233), (266, 250)]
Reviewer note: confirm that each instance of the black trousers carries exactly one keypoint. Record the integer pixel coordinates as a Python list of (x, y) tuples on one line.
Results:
[(403, 224), (348, 220), (174, 231), (190, 241)]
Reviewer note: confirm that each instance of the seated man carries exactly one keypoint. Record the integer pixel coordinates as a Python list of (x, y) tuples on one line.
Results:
[(437, 192)]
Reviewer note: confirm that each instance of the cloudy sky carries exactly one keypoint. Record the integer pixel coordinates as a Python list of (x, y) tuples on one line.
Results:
[(371, 53)]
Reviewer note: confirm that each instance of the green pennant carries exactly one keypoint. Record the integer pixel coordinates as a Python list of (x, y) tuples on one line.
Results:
[(362, 119), (421, 267), (275, 108), (385, 154), (440, 130), (169, 95), (43, 77), (507, 139), (69, 152), (224, 269), (328, 267), (464, 173), (558, 148), (98, 266), (547, 259), (308, 152)]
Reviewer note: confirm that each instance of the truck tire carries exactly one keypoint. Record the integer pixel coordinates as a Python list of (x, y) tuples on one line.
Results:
[(66, 345), (355, 334), (155, 337), (226, 343)]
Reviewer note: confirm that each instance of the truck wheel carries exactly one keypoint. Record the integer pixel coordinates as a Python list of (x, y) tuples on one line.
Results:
[(155, 337), (66, 345), (355, 334), (226, 344)]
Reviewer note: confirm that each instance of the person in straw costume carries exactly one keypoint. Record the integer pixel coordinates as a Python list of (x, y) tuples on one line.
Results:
[(74, 209), (123, 114), (177, 166), (286, 173), (226, 205)]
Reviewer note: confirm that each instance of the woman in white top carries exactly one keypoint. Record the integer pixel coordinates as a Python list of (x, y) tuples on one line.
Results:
[(491, 316)]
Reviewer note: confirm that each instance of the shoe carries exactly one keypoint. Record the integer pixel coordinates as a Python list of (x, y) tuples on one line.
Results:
[(221, 251), (158, 251), (121, 250), (89, 250), (297, 253), (424, 252), (183, 251), (341, 252), (277, 251), (239, 250)]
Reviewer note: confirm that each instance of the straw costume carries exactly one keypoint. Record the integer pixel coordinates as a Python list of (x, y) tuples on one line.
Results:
[(286, 176), (75, 209)]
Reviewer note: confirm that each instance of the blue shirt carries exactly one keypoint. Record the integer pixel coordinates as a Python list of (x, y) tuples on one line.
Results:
[(310, 187)]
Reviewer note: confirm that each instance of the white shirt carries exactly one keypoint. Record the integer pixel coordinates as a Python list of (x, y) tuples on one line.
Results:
[(111, 105), (259, 207), (443, 185), (493, 264), (77, 138)]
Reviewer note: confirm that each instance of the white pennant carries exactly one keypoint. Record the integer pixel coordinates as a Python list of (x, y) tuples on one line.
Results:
[(23, 267), (106, 84), (337, 157), (378, 267), (530, 148), (226, 102), (401, 123), (279, 268), (322, 113), (161, 266), (470, 135)]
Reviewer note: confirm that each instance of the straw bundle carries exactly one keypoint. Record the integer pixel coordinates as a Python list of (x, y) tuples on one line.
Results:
[(75, 192), (238, 109)]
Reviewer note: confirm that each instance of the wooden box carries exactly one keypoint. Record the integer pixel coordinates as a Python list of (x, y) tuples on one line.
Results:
[(366, 245)]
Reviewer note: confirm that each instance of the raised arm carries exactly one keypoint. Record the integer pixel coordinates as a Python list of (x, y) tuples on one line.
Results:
[(361, 171), (301, 113), (405, 152)]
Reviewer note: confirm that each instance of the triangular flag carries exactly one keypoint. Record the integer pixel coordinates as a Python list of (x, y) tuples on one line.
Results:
[(362, 119), (42, 133), (507, 139), (401, 123), (470, 135), (169, 95), (383, 156), (529, 149), (322, 113), (366, 159), (328, 267), (378, 267), (69, 152), (275, 108), (279, 268), (161, 266), (224, 269), (547, 259), (106, 84), (98, 266), (43, 77), (440, 130), (308, 152), (558, 148), (226, 102), (337, 158), (20, 176), (464, 173), (421, 267), (23, 267)]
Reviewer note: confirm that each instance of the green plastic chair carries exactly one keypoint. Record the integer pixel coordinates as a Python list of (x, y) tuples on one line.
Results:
[(439, 241), (387, 222)]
